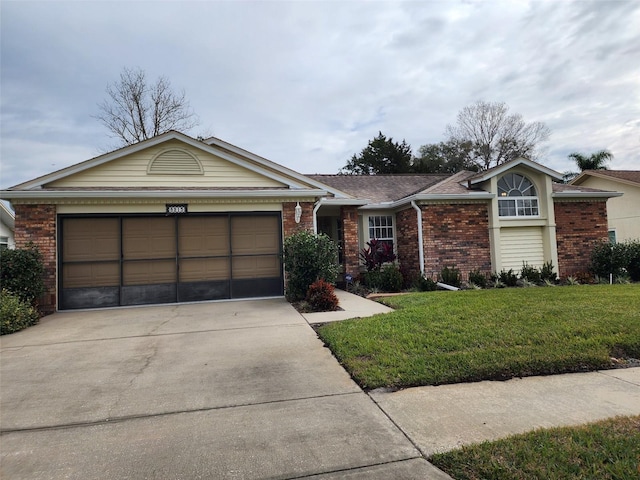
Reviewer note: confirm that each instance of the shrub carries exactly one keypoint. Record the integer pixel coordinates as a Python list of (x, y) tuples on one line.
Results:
[(507, 278), (529, 273), (15, 313), (547, 274), (426, 284), (321, 297), (478, 278), (451, 276), (391, 278), (22, 272), (618, 259), (376, 254), (307, 258), (373, 279)]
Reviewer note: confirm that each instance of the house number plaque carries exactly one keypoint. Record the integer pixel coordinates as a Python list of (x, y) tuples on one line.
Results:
[(176, 208)]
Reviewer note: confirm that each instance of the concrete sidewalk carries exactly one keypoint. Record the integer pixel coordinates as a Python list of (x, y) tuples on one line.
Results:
[(353, 306), (442, 418)]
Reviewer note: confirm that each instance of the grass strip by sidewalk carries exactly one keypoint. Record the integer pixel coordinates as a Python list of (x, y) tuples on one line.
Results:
[(604, 450), (449, 337)]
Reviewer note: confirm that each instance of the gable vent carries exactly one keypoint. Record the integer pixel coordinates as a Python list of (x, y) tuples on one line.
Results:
[(175, 162)]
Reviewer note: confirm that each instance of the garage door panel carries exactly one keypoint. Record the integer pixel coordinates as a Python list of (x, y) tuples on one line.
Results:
[(255, 235), (204, 236), (96, 297), (149, 294), (256, 267), (91, 239), (200, 269), (148, 238), (149, 272), (77, 275)]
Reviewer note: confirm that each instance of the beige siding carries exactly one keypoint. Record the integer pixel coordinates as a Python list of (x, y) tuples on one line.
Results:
[(623, 212), (131, 171), (522, 244)]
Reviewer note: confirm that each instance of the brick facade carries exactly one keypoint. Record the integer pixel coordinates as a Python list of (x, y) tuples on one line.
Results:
[(579, 225), (407, 241), (37, 224), (456, 234), (350, 250), (289, 225)]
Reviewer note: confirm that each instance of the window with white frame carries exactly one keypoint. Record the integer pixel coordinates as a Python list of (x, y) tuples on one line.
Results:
[(517, 196), (4, 243), (381, 228)]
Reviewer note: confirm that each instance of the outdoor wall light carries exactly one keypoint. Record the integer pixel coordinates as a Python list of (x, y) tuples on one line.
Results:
[(298, 212)]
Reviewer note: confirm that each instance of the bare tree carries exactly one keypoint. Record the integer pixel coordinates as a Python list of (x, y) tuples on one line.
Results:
[(496, 136), (137, 110)]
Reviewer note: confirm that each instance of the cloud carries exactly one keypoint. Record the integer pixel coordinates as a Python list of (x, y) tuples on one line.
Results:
[(308, 84)]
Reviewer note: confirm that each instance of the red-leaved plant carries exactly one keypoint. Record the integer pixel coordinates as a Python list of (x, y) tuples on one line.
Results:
[(321, 296), (377, 253)]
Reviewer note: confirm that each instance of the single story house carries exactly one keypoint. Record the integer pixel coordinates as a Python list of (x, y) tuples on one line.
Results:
[(623, 212), (175, 219)]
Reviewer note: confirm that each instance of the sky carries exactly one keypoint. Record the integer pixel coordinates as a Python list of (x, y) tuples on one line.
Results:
[(307, 84)]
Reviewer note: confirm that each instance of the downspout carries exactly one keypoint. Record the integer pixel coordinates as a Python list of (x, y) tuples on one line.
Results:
[(315, 218), (420, 242)]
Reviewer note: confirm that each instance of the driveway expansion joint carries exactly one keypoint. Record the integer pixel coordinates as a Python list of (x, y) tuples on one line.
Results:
[(359, 467), (125, 418)]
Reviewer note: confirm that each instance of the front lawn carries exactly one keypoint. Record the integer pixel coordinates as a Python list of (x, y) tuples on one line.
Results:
[(449, 337), (602, 450)]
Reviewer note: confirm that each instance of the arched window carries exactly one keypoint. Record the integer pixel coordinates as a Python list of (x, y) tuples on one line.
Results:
[(517, 196)]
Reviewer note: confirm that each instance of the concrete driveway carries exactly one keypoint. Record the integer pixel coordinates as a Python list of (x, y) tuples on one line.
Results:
[(210, 390)]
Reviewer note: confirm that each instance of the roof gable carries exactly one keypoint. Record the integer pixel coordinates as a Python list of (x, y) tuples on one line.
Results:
[(502, 168), (629, 177), (172, 160)]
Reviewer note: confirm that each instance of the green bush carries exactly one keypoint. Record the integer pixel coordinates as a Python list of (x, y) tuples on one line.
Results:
[(321, 297), (619, 259), (529, 273), (307, 258), (15, 313), (22, 272), (391, 278), (478, 278), (373, 279), (547, 273), (426, 284), (506, 278), (451, 276)]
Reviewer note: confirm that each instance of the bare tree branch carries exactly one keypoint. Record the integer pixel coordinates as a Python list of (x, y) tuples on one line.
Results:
[(136, 110), (495, 135)]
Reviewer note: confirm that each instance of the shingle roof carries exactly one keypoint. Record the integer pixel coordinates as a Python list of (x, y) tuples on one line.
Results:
[(563, 187), (628, 175), (381, 188)]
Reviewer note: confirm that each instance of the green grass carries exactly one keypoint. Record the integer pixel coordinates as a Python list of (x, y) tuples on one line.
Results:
[(608, 449), (449, 337)]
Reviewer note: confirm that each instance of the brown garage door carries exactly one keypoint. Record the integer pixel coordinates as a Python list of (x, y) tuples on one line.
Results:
[(134, 260)]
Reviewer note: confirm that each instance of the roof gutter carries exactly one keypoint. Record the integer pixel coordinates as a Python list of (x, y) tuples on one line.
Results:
[(67, 194), (586, 194), (420, 238), (336, 202)]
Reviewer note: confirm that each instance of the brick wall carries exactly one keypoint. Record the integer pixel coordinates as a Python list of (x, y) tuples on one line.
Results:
[(37, 224), (289, 224), (456, 234), (350, 250), (579, 225), (407, 241)]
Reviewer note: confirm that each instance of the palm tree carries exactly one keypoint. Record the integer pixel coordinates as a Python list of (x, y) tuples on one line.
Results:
[(595, 161)]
